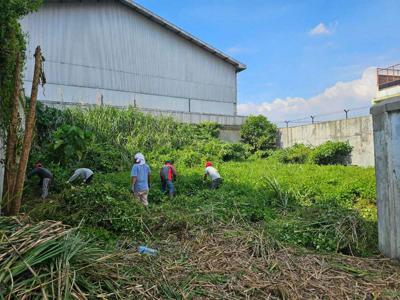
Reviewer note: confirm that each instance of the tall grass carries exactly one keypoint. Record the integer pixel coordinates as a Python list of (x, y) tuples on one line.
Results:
[(133, 130)]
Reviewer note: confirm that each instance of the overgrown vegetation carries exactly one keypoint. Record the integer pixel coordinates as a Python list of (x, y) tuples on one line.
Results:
[(328, 153), (12, 44), (259, 133), (282, 203), (281, 196)]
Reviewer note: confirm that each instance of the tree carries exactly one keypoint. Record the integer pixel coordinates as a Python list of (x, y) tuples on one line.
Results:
[(29, 127), (12, 44), (12, 51), (11, 152), (259, 133)]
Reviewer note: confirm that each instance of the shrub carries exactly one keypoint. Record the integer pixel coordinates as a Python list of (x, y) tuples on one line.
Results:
[(233, 152), (297, 154), (259, 133), (104, 205), (262, 154), (190, 158), (70, 142), (327, 228), (206, 130), (48, 120), (105, 158), (332, 153)]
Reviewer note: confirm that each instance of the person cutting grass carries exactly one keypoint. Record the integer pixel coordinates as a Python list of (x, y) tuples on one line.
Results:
[(140, 179), (168, 176), (45, 178), (213, 174), (84, 173)]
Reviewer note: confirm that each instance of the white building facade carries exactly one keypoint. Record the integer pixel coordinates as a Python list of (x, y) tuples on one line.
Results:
[(118, 53)]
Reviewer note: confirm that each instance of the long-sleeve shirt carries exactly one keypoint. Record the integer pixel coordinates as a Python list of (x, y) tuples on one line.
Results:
[(84, 173), (41, 172)]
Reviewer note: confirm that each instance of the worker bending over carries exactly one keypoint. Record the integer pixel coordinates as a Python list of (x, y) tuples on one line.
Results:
[(45, 178), (212, 172), (84, 173), (168, 176)]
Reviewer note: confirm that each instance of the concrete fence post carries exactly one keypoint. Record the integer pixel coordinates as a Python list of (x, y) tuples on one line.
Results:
[(386, 129)]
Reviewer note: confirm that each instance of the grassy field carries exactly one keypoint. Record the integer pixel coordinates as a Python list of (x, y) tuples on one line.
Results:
[(273, 230)]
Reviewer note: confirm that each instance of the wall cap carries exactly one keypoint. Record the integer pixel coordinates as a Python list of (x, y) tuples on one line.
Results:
[(391, 104)]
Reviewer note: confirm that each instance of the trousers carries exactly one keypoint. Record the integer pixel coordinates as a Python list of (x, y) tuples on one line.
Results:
[(167, 184), (45, 187)]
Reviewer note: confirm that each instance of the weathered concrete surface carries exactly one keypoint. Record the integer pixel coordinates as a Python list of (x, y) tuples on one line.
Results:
[(230, 133), (386, 121), (357, 131)]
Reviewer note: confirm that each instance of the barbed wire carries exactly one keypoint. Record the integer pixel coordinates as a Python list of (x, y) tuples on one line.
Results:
[(313, 119)]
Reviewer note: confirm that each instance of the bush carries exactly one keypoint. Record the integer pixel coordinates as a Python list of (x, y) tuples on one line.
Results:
[(190, 158), (70, 143), (105, 158), (206, 130), (332, 153), (48, 120), (259, 133), (233, 152), (297, 154), (327, 228), (103, 205)]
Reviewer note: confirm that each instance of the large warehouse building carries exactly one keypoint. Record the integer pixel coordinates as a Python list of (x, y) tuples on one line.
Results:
[(118, 53)]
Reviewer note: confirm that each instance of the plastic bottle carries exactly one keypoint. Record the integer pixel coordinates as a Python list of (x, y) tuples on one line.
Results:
[(146, 250)]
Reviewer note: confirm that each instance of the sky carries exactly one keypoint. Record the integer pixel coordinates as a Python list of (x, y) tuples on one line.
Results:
[(303, 57)]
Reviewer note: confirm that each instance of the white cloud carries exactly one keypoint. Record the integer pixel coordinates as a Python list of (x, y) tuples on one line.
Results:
[(320, 29), (342, 95)]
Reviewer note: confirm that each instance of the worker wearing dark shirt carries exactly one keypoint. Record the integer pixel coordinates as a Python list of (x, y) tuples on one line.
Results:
[(45, 178)]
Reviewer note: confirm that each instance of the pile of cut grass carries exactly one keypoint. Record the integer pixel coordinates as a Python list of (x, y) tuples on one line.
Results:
[(48, 260)]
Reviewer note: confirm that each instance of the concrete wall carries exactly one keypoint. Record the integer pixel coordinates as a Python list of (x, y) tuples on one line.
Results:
[(230, 134), (357, 131), (386, 120), (105, 49)]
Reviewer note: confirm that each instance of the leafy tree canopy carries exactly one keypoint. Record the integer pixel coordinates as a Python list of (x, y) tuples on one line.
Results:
[(259, 133)]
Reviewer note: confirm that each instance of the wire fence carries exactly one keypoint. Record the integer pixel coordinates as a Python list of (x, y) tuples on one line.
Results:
[(320, 118)]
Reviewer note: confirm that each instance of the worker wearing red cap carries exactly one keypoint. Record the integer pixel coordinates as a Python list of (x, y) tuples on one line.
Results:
[(212, 172)]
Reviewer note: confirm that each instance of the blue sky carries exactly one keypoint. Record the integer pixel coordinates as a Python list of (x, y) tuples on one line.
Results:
[(285, 58)]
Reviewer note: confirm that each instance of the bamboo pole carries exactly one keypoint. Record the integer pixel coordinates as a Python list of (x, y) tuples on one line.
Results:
[(29, 126)]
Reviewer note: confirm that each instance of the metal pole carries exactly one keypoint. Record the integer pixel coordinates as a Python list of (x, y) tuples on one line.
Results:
[(346, 111), (312, 119)]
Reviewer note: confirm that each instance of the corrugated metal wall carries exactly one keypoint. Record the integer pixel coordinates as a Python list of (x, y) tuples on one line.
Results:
[(108, 49)]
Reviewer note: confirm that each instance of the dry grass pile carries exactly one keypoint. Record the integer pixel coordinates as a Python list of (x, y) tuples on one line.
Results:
[(49, 260), (232, 263)]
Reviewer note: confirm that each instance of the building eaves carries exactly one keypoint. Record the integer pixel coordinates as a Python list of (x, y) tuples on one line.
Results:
[(155, 18)]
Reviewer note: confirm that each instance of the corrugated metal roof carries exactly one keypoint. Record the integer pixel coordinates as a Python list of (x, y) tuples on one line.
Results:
[(164, 23), (152, 16)]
